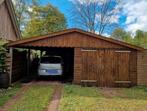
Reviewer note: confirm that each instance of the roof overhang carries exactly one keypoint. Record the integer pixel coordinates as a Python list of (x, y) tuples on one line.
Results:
[(20, 42)]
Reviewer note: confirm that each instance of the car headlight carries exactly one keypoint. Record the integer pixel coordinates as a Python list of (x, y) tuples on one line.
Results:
[(59, 71), (43, 70)]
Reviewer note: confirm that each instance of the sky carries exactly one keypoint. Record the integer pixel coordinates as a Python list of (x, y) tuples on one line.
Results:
[(63, 6), (132, 17)]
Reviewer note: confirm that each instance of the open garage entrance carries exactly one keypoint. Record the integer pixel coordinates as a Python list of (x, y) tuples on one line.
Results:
[(31, 60), (67, 61)]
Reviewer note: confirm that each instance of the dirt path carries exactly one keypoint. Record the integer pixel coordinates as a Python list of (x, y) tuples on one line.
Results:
[(18, 96), (54, 104), (111, 92)]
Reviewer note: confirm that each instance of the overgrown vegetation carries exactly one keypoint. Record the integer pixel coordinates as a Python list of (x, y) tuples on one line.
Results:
[(76, 98), (36, 98), (6, 94), (3, 52)]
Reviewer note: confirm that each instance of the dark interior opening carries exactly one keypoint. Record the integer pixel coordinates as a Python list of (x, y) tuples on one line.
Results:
[(67, 55)]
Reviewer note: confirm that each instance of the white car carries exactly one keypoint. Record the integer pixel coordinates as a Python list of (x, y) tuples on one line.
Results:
[(50, 66)]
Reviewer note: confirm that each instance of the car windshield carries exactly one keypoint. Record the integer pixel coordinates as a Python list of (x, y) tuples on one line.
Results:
[(54, 60)]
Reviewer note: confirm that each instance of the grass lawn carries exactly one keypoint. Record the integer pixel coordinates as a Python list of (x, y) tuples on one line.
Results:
[(6, 94), (36, 98), (76, 98)]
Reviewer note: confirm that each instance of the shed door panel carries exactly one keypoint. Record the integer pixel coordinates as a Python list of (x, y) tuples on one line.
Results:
[(89, 65), (123, 59), (106, 68), (109, 68), (99, 65)]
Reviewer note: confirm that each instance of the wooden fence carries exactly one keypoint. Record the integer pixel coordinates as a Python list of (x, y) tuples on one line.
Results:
[(18, 64)]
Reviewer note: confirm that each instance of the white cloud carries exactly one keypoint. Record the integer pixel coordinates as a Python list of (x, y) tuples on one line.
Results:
[(114, 19), (136, 12), (106, 34), (87, 1)]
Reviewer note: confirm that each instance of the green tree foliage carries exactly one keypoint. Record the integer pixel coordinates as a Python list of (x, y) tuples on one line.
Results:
[(3, 52), (139, 39), (22, 11), (35, 19), (120, 34), (44, 20)]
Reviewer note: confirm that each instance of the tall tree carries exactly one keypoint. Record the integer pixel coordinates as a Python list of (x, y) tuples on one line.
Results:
[(139, 39), (22, 9), (120, 34), (95, 15), (44, 19)]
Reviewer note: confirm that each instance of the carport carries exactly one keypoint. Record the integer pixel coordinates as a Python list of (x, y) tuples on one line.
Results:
[(67, 55), (88, 58)]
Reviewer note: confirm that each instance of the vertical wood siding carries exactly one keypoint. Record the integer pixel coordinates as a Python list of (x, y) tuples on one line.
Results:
[(6, 28), (106, 66), (123, 60), (19, 65), (74, 40), (142, 68), (77, 66), (133, 67)]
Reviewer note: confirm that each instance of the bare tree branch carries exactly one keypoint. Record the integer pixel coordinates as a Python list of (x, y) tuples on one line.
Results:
[(95, 15)]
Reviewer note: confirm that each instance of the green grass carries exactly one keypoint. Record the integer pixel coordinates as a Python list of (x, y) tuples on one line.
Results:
[(138, 92), (36, 98), (6, 94), (76, 98)]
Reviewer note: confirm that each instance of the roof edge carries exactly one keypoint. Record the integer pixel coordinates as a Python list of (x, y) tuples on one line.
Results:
[(75, 30), (111, 40), (13, 17)]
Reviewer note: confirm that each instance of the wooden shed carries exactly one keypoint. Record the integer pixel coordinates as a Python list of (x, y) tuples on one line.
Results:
[(94, 59)]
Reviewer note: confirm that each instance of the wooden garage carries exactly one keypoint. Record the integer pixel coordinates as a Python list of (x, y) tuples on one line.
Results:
[(98, 60)]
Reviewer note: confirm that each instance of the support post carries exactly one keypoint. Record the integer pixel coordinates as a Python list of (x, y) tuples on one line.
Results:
[(11, 65), (41, 53), (28, 62)]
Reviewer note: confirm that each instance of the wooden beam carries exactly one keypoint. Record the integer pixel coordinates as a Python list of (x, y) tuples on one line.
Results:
[(11, 65), (123, 82), (28, 62)]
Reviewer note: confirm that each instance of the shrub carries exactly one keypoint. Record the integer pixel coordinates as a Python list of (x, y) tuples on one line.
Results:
[(3, 52)]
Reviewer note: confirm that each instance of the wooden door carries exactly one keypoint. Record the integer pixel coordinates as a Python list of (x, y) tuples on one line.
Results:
[(109, 68), (99, 65), (123, 60), (89, 64)]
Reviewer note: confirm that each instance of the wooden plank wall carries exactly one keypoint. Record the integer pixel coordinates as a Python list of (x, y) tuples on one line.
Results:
[(133, 67), (6, 27), (19, 65), (106, 66), (73, 40), (142, 68), (123, 59), (77, 66)]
